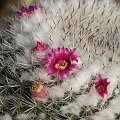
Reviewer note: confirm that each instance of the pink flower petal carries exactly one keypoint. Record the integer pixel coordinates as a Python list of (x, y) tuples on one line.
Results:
[(73, 66), (67, 73), (60, 74)]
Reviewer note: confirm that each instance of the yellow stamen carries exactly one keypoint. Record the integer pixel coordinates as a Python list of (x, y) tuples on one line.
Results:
[(61, 65), (36, 87)]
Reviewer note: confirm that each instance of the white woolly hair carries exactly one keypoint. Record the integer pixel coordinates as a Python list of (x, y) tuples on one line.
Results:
[(93, 28), (5, 117)]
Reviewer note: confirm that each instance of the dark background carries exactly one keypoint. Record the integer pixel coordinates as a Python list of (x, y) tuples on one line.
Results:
[(5, 7)]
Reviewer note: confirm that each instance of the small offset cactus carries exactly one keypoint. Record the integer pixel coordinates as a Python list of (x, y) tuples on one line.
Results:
[(60, 60)]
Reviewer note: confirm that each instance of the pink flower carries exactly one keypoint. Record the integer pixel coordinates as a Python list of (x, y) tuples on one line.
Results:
[(38, 91), (101, 85), (60, 61), (39, 52), (40, 47), (27, 10)]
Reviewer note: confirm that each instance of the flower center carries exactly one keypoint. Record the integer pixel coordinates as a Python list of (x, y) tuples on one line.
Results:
[(61, 65), (100, 88), (36, 87)]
